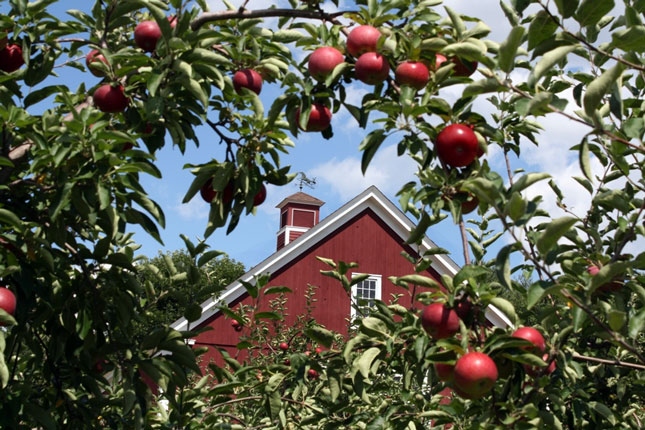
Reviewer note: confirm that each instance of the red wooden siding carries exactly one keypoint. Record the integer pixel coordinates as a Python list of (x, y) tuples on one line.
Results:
[(366, 240)]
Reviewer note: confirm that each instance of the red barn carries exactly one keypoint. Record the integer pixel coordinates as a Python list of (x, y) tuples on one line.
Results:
[(369, 230)]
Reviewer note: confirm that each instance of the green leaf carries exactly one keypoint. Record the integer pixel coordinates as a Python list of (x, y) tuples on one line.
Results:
[(369, 146), (516, 206), (636, 324), (374, 327), (484, 189), (423, 281), (603, 410), (629, 39), (366, 360), (549, 60), (567, 7), (542, 27), (320, 335), (591, 11), (196, 90), (534, 295), (583, 159), (616, 319), (40, 415), (600, 86), (467, 272), (505, 307), (287, 36), (336, 73), (503, 265), (267, 316), (274, 383), (276, 108), (554, 231), (277, 290), (208, 256), (508, 49), (527, 180), (8, 217), (41, 94), (482, 86), (418, 233), (457, 22)]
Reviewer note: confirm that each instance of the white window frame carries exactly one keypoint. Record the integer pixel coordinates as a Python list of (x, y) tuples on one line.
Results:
[(377, 294)]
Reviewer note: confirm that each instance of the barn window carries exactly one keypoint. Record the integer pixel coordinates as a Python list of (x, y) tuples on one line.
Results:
[(365, 293)]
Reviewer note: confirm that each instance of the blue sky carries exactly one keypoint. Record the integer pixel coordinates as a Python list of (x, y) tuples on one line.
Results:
[(336, 164)]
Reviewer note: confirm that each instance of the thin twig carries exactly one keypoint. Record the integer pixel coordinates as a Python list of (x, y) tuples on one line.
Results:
[(263, 13), (579, 357), (589, 45)]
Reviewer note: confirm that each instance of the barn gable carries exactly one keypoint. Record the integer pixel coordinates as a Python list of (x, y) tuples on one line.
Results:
[(369, 230)]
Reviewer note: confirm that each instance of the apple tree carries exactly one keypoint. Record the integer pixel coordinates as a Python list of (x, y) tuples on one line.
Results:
[(70, 190)]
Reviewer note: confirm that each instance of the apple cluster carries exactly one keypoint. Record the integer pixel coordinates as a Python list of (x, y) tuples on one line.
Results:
[(110, 97), (474, 373), (208, 193)]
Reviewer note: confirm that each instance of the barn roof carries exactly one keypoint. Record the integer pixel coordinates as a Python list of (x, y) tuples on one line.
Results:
[(301, 197), (372, 198)]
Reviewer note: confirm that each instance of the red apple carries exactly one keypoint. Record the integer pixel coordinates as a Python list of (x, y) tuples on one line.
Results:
[(463, 67), (457, 145), (287, 362), (533, 336), (439, 321), (319, 117), (463, 308), (613, 286), (323, 61), (260, 196), (445, 372), (110, 99), (312, 374), (95, 56), (475, 374), (172, 19), (208, 193), (307, 353), (318, 350), (372, 68), (146, 35), (362, 39), (412, 73), (247, 78), (536, 371), (283, 346), (236, 325), (7, 301), (11, 58), (470, 204), (439, 60)]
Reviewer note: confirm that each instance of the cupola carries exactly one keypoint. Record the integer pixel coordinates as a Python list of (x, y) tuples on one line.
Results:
[(298, 213)]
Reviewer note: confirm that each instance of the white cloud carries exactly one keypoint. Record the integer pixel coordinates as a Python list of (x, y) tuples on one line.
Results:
[(195, 209), (387, 171)]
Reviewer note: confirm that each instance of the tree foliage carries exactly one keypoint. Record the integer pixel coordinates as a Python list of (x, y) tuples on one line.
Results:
[(70, 189), (181, 285)]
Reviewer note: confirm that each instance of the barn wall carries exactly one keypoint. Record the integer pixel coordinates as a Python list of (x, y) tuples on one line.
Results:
[(366, 240)]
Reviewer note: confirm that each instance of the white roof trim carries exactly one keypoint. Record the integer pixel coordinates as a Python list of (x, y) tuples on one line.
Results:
[(371, 198)]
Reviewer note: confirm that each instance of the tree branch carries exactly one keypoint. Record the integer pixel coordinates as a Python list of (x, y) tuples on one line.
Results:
[(263, 13)]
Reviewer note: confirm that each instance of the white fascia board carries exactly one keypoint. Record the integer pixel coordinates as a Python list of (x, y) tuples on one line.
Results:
[(371, 198)]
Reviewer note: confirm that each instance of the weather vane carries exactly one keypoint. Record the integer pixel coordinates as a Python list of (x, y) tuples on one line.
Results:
[(304, 180)]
